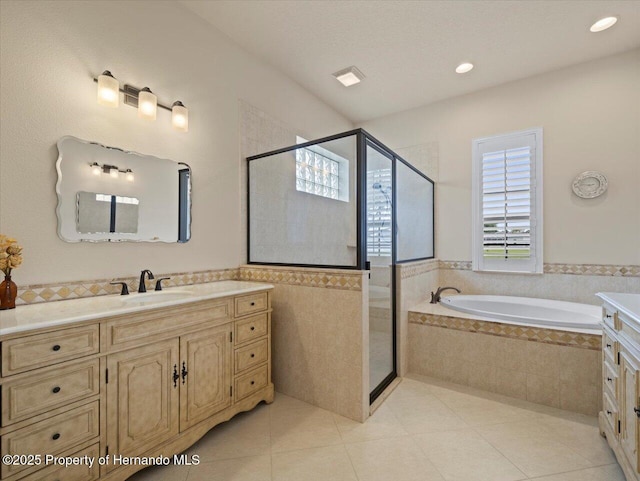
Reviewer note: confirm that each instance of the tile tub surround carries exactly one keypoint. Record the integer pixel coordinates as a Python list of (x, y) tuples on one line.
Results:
[(545, 366), (484, 437), (414, 282), (320, 329)]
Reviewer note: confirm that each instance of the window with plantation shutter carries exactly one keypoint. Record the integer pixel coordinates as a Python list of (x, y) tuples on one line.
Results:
[(507, 202)]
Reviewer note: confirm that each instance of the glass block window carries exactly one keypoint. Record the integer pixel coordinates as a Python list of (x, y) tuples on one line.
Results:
[(317, 174)]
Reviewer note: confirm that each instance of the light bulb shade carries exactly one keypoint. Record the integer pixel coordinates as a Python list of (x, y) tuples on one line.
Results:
[(95, 168), (129, 175), (147, 104), (180, 117), (113, 172), (108, 90)]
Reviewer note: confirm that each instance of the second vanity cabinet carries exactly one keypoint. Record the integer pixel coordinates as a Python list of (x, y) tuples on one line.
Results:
[(149, 383), (620, 417)]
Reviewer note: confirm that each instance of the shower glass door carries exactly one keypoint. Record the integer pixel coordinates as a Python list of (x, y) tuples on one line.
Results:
[(380, 262)]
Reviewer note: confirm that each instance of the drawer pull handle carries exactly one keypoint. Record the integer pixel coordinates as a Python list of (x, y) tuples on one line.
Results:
[(637, 411), (56, 347), (608, 316), (608, 413), (253, 303), (609, 379), (253, 355), (609, 346), (56, 390), (184, 372), (253, 328), (55, 436), (176, 376)]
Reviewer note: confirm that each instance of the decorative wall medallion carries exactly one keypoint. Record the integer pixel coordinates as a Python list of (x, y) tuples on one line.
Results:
[(590, 184)]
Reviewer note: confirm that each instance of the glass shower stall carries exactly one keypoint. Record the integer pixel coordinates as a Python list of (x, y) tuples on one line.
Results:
[(344, 202)]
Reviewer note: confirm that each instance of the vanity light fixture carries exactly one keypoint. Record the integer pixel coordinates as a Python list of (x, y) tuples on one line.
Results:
[(464, 67), (143, 99), (603, 24), (147, 104), (108, 90), (180, 116), (349, 76), (111, 170)]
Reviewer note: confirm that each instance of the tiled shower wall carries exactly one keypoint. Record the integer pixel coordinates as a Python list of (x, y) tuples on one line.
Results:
[(320, 329)]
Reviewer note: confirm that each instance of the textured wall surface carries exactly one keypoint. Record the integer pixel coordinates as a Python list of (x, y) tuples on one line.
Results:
[(51, 51)]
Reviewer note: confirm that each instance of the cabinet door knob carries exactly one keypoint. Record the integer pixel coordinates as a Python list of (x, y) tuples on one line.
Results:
[(609, 379), (253, 382), (608, 316), (55, 436), (253, 328), (253, 303), (608, 412), (56, 390), (253, 355), (56, 347), (637, 411), (609, 345)]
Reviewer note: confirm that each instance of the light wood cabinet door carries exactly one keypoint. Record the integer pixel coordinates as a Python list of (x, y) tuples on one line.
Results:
[(205, 390), (629, 402), (142, 398)]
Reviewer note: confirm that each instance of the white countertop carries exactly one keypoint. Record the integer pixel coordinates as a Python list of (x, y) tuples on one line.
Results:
[(629, 304), (52, 314)]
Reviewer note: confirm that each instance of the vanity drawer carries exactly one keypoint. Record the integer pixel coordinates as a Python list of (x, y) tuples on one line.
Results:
[(610, 318), (609, 347), (157, 325), (71, 473), (39, 393), (31, 352), (251, 382), (610, 412), (52, 435), (252, 303), (252, 355), (610, 379), (251, 328)]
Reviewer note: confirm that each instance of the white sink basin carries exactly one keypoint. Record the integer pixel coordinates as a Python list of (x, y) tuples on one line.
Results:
[(157, 297)]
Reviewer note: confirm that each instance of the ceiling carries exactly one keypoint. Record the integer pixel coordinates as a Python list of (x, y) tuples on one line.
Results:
[(408, 50)]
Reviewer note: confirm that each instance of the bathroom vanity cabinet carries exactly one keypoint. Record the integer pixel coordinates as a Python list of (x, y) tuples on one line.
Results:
[(143, 384), (620, 416)]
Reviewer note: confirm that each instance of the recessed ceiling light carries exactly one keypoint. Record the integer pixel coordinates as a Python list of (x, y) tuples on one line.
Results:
[(349, 76), (603, 24), (464, 67)]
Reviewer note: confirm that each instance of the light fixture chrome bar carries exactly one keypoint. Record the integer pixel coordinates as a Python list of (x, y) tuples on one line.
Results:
[(131, 96)]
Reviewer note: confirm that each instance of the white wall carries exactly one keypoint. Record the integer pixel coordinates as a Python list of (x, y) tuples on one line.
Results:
[(49, 53), (590, 114)]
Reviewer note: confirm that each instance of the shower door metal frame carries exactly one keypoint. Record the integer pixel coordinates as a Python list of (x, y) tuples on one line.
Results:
[(363, 139)]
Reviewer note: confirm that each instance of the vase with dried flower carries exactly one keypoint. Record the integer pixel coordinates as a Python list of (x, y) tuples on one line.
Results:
[(10, 258)]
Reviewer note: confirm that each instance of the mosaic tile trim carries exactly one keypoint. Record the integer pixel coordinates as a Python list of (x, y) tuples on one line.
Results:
[(593, 270), (415, 269), (573, 269), (99, 287), (526, 333), (329, 279)]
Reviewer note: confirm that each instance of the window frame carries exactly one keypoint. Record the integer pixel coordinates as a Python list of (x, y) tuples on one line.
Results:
[(533, 265)]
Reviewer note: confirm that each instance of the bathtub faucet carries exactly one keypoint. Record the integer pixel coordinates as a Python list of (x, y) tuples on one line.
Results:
[(435, 296)]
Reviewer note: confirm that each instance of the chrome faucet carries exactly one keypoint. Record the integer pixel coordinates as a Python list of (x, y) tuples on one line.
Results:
[(143, 287), (435, 296)]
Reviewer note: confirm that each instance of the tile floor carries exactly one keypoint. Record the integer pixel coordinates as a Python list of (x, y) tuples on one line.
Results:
[(427, 430)]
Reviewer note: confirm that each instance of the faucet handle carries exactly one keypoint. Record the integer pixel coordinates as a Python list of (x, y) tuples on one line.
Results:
[(159, 283), (125, 287)]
